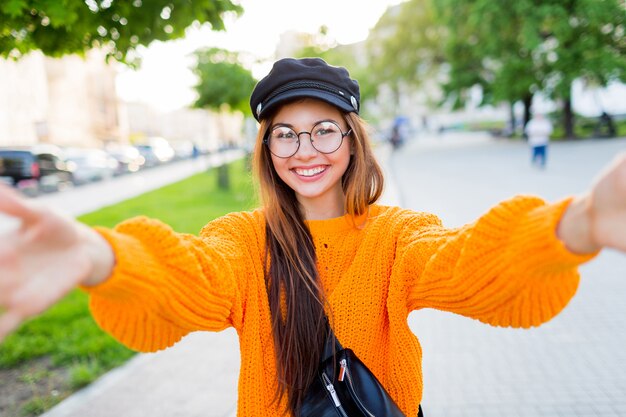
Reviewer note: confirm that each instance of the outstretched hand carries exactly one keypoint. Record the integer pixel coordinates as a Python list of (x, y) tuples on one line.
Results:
[(598, 219), (43, 259)]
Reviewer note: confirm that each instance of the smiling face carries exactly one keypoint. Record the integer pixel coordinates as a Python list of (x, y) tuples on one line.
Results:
[(314, 176)]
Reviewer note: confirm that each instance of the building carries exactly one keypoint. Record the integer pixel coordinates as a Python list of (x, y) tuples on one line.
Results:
[(66, 101), (72, 101)]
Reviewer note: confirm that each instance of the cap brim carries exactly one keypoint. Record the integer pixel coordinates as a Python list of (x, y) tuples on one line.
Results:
[(330, 98)]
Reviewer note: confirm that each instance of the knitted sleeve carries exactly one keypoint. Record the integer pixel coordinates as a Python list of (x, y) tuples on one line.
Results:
[(166, 284), (507, 269)]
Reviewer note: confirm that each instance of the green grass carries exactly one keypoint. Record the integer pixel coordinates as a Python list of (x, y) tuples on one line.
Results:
[(66, 332), (186, 205), (39, 405), (585, 127), (84, 373)]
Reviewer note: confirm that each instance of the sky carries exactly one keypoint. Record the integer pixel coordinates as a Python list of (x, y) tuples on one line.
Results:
[(166, 82)]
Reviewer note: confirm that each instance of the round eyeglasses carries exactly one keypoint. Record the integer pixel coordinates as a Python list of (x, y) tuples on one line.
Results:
[(326, 137)]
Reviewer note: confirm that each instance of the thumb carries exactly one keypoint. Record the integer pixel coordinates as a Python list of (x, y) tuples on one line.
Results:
[(12, 204)]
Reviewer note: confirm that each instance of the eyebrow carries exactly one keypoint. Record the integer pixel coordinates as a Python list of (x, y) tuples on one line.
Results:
[(289, 125)]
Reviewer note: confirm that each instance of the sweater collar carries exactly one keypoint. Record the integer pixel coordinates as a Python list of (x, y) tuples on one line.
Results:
[(342, 223)]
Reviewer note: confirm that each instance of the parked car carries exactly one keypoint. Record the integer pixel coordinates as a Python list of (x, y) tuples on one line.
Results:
[(128, 158), (156, 151), (34, 170), (89, 165), (183, 149)]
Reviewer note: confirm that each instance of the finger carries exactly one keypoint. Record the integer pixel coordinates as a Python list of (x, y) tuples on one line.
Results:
[(13, 204)]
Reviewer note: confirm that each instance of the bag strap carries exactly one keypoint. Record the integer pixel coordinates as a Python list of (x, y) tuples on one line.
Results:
[(332, 344)]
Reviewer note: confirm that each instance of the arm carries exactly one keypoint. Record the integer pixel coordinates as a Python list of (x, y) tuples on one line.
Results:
[(517, 265), (166, 284), (508, 268)]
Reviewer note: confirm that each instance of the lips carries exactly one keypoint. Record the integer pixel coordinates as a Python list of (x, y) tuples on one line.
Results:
[(309, 172)]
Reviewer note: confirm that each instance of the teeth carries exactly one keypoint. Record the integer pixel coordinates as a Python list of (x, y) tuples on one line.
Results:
[(309, 172)]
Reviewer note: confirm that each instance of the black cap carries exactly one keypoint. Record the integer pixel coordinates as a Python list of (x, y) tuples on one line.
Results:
[(292, 78)]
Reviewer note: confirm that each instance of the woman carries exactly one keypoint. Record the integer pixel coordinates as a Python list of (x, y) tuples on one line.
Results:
[(318, 246)]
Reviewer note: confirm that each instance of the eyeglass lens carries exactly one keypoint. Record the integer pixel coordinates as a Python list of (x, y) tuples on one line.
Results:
[(326, 137)]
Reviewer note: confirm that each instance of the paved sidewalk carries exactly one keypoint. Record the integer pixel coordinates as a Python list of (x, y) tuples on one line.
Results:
[(195, 378), (91, 197)]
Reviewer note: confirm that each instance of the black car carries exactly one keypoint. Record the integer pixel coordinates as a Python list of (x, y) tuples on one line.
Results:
[(33, 170)]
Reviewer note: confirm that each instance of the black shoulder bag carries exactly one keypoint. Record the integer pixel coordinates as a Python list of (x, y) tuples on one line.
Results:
[(345, 387)]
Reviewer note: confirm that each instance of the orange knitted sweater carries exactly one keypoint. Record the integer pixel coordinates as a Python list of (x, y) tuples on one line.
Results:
[(506, 269)]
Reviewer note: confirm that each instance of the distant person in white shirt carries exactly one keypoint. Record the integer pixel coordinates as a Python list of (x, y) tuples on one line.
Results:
[(538, 130)]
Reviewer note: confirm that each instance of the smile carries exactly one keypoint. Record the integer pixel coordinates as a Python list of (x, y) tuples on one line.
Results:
[(310, 172)]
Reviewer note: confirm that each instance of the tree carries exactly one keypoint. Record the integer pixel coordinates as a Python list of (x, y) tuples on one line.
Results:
[(403, 47), (223, 84), (462, 56), (580, 39), (526, 46), (222, 81), (59, 27)]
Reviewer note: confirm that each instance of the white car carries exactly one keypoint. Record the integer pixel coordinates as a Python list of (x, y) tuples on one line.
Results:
[(88, 165)]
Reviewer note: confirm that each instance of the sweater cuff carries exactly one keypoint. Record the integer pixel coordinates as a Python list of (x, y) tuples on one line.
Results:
[(131, 259), (538, 230)]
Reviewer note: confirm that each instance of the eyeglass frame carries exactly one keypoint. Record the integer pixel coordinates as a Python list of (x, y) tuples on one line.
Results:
[(266, 139)]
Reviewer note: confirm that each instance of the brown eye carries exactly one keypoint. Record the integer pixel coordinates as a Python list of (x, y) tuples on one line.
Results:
[(283, 133), (325, 128)]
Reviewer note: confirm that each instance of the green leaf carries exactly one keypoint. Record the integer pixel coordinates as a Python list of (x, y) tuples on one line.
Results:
[(59, 27), (13, 8), (222, 80)]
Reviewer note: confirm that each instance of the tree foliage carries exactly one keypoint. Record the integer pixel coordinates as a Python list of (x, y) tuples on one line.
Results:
[(403, 47), (511, 49), (59, 27), (484, 48), (222, 80), (400, 50)]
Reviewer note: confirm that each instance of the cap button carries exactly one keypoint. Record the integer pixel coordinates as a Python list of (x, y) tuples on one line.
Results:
[(355, 104), (258, 109)]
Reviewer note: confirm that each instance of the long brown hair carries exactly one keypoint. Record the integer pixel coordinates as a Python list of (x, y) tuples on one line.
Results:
[(295, 294)]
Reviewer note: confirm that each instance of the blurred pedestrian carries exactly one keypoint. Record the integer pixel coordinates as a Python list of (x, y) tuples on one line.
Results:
[(195, 151), (396, 137), (320, 246), (606, 126), (398, 131), (538, 131)]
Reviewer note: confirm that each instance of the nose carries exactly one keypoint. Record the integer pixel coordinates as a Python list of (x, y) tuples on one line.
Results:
[(306, 149)]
